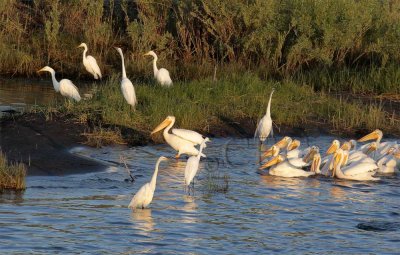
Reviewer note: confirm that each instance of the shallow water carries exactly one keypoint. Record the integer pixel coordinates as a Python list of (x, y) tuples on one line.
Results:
[(20, 94), (257, 214)]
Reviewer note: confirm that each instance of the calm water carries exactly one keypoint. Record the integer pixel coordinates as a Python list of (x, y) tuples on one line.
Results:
[(258, 214), (22, 93)]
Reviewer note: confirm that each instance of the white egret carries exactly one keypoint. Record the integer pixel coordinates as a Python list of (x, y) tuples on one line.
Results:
[(126, 85), (264, 127), (192, 166), (356, 171), (181, 140), (162, 74), (90, 63), (65, 86), (280, 166), (144, 196)]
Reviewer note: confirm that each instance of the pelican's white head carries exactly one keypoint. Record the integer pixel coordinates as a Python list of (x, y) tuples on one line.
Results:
[(293, 145), (276, 160), (334, 146), (164, 124), (283, 143), (271, 152), (376, 134)]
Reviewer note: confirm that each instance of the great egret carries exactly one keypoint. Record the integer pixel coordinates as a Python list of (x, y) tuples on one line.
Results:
[(181, 140), (356, 172), (264, 127), (126, 85), (144, 196), (65, 86), (161, 75), (90, 63), (192, 166)]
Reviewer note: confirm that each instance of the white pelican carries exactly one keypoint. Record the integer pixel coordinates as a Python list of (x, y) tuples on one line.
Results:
[(192, 166), (382, 147), (161, 75), (280, 166), (264, 127), (90, 63), (65, 86), (144, 196), (181, 140), (356, 171), (390, 162), (294, 151), (126, 85)]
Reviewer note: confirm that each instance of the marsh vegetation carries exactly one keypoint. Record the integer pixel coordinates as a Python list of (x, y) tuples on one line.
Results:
[(12, 175)]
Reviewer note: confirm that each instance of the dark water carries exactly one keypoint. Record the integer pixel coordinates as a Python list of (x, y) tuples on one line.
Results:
[(256, 214), (20, 94)]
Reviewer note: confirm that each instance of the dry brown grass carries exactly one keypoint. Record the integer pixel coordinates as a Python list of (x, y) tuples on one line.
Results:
[(99, 136), (12, 175)]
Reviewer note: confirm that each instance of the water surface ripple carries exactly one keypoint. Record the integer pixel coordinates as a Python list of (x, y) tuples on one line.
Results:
[(257, 214)]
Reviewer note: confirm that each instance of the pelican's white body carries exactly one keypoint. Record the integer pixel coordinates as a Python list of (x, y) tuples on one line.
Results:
[(357, 171), (183, 141), (285, 169)]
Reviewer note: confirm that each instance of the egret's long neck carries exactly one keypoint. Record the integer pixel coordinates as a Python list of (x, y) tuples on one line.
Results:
[(155, 69), (56, 85), (269, 105), (123, 65), (84, 53), (201, 149), (154, 178)]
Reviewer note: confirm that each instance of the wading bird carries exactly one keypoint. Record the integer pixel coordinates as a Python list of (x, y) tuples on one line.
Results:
[(65, 86), (162, 74), (264, 127), (90, 63), (192, 166), (144, 196), (126, 85), (182, 140), (381, 147)]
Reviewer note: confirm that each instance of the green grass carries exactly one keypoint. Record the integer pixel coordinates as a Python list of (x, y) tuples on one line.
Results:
[(12, 175), (203, 104)]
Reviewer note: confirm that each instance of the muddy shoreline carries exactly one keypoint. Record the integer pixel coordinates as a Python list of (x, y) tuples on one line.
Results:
[(44, 144)]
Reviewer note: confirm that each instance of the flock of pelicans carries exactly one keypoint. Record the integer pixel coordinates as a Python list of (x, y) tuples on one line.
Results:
[(285, 158)]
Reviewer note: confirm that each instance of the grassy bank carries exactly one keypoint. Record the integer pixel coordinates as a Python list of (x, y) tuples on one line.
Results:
[(330, 44), (209, 106), (12, 175)]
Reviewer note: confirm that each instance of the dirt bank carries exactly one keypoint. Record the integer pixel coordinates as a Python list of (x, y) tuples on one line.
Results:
[(43, 144)]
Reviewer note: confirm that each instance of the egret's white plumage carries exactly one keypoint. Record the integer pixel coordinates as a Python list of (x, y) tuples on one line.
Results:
[(192, 166), (162, 74), (126, 85), (264, 127), (280, 166), (65, 86), (90, 63), (144, 196), (183, 143), (356, 171)]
